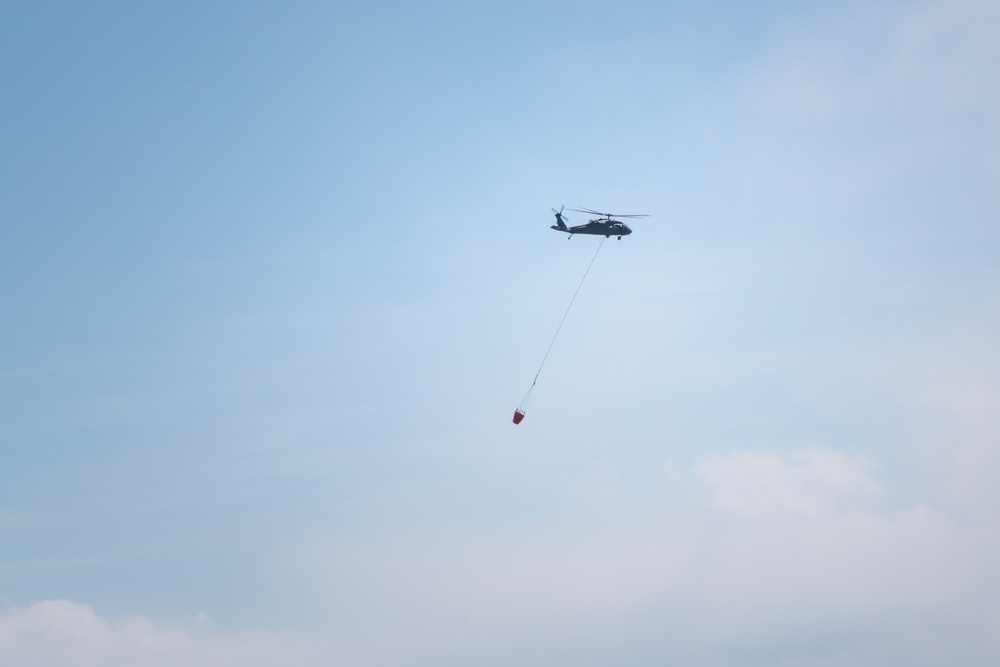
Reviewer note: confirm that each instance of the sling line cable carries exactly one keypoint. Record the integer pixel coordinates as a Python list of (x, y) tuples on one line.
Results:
[(519, 412)]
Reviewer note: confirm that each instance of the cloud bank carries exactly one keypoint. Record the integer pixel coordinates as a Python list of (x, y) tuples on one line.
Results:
[(796, 557), (782, 557), (56, 633)]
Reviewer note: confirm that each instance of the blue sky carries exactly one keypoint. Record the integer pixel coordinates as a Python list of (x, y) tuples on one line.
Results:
[(275, 275)]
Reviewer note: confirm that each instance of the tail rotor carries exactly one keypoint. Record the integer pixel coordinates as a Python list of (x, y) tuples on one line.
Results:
[(560, 219)]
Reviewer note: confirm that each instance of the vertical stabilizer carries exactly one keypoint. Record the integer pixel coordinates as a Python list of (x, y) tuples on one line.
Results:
[(560, 220)]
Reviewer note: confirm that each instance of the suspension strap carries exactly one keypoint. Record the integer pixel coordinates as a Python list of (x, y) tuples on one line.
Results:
[(559, 328)]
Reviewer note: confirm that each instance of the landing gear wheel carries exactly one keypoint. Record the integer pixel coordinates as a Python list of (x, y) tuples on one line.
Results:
[(619, 238)]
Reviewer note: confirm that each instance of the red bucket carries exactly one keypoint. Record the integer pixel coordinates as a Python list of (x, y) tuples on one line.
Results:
[(518, 416)]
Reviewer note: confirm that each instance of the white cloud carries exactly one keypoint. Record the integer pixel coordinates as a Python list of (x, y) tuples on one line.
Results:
[(61, 633), (808, 482), (787, 564), (808, 541), (793, 561)]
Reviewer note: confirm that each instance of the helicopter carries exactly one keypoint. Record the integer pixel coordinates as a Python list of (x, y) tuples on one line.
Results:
[(603, 225)]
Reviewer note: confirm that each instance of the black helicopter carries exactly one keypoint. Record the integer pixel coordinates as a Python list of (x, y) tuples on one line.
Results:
[(603, 225)]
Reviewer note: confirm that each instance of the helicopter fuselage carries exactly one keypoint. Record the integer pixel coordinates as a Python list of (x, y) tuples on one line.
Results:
[(603, 227)]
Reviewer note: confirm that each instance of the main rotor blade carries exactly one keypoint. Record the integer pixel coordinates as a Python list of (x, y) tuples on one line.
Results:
[(609, 215)]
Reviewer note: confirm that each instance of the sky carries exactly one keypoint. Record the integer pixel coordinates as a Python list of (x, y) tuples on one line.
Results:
[(274, 276)]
